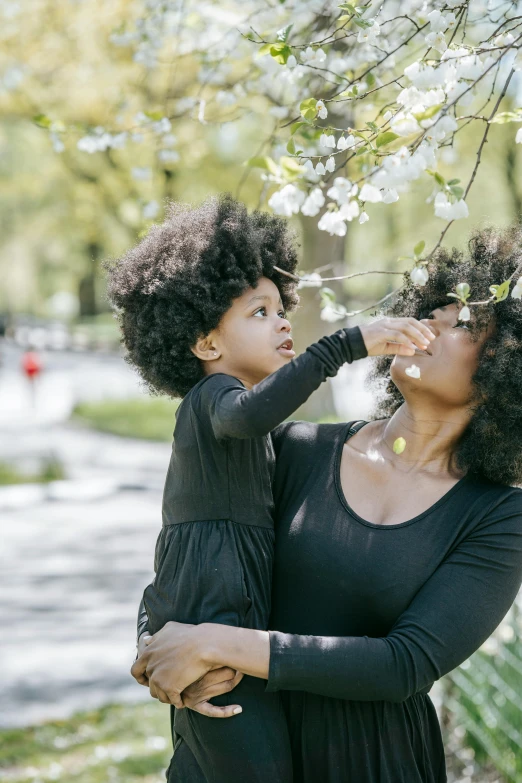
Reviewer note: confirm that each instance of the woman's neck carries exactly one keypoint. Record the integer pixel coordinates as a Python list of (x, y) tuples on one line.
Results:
[(431, 438)]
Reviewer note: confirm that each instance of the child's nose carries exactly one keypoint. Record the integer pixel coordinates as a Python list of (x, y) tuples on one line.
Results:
[(284, 325)]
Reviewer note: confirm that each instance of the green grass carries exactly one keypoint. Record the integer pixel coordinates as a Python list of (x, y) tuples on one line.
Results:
[(120, 743), (50, 470), (150, 418)]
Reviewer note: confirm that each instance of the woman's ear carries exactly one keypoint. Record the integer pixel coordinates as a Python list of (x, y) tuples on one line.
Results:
[(206, 349)]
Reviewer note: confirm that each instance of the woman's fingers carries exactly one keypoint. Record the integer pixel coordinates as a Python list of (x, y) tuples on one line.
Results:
[(211, 711), (157, 693)]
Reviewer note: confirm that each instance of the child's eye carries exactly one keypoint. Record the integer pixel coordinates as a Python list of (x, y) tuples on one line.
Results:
[(282, 314), (261, 311)]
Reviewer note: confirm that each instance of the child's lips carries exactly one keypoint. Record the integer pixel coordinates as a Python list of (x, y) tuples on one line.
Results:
[(286, 347)]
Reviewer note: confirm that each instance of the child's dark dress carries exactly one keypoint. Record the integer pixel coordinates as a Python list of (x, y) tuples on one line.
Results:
[(214, 554)]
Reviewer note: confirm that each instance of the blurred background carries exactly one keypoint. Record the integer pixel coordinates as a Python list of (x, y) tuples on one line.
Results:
[(84, 450)]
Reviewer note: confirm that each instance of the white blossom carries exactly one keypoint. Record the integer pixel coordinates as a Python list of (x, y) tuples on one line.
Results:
[(150, 210), (448, 210), (331, 314), (333, 223), (141, 173), (516, 293), (308, 167), (369, 34), (441, 127), (464, 314), (311, 57), (320, 169), (437, 41), (291, 62), (327, 141), (349, 211), (413, 371), (313, 203), (312, 280), (389, 196), (286, 201), (321, 110), (341, 190), (419, 275), (370, 193), (330, 164), (364, 217), (344, 143), (168, 156), (404, 124), (58, 145), (518, 137), (225, 98), (441, 22)]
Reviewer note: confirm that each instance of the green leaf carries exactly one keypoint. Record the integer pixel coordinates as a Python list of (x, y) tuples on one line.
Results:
[(42, 120), (453, 182), (372, 126), (308, 108), (290, 165), (347, 7), (284, 33), (439, 179), (265, 49), (430, 112), (501, 291), (405, 258), (327, 296), (280, 52), (462, 290), (457, 191), (507, 116), (385, 138), (370, 79), (295, 127), (290, 147), (364, 23), (419, 247), (455, 296), (155, 116), (262, 162)]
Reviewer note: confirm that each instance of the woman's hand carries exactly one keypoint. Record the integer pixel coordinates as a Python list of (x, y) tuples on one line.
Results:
[(173, 659), (196, 696), (142, 646), (400, 336)]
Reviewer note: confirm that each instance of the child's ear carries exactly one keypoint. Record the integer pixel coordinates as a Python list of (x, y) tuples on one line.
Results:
[(205, 349)]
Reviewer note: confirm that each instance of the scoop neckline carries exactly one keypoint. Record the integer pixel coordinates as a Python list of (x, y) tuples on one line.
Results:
[(349, 509)]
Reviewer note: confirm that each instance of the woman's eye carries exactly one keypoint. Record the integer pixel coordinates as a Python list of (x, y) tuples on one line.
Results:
[(461, 324)]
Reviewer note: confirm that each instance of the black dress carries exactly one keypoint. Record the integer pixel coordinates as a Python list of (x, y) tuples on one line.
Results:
[(214, 554), (368, 616)]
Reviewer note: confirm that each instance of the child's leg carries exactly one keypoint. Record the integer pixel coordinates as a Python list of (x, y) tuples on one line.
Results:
[(252, 747)]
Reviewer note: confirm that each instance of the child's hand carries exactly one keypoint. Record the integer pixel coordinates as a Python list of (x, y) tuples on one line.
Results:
[(402, 336), (216, 682)]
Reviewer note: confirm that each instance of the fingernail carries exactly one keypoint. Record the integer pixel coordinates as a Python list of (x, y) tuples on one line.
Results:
[(238, 710)]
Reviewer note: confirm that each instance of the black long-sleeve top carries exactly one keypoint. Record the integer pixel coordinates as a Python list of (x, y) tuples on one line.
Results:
[(367, 616)]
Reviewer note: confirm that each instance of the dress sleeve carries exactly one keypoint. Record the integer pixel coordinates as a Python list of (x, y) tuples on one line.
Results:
[(143, 621), (455, 611), (239, 413)]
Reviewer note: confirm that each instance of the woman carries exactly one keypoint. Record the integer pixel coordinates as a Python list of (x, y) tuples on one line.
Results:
[(391, 569)]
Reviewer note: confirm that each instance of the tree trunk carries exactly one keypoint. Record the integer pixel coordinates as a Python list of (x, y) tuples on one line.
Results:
[(87, 285), (318, 249)]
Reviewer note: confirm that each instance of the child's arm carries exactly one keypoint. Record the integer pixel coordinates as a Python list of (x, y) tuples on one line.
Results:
[(239, 413)]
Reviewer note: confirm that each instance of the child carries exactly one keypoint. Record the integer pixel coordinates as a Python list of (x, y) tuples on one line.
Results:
[(203, 316)]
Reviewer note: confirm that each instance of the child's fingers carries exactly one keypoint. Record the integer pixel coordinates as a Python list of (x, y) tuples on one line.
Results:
[(211, 711)]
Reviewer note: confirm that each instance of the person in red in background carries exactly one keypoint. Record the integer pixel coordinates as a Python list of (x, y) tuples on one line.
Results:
[(32, 367)]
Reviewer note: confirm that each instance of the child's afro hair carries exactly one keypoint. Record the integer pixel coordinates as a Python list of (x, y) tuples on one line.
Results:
[(175, 285), (491, 446)]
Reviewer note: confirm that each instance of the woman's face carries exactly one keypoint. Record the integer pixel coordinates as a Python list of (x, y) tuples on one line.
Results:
[(446, 374)]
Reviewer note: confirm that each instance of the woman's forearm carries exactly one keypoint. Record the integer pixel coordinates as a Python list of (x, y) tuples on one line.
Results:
[(244, 649)]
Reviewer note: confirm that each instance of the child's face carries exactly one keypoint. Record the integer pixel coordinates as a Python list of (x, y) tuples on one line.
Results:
[(253, 337)]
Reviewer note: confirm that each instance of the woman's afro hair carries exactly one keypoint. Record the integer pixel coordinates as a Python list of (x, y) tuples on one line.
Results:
[(491, 446), (175, 285)]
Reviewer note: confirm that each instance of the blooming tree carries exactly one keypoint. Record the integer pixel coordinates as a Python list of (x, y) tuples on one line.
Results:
[(365, 99)]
